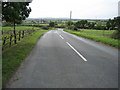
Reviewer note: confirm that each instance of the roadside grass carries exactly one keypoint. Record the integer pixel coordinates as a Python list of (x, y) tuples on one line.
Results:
[(102, 33), (13, 56), (19, 28), (97, 35)]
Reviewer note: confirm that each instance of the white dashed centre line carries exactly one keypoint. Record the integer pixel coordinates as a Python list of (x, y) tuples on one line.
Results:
[(61, 36), (76, 51)]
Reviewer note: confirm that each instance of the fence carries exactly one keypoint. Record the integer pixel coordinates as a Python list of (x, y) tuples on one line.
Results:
[(9, 38)]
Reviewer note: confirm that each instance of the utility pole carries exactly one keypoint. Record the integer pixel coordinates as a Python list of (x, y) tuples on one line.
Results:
[(119, 8), (70, 17)]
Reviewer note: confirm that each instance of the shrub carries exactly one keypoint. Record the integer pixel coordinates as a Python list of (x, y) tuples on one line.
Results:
[(116, 35), (45, 27)]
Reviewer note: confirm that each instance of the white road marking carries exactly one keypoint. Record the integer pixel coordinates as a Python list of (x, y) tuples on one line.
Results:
[(61, 36), (76, 51), (57, 33)]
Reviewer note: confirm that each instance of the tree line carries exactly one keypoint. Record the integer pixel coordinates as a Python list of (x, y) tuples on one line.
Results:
[(110, 24)]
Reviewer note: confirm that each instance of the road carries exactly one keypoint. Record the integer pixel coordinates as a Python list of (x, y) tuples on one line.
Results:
[(63, 60)]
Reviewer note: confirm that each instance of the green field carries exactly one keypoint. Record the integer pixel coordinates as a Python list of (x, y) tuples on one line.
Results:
[(102, 33), (97, 35), (19, 28), (13, 56), (5, 29)]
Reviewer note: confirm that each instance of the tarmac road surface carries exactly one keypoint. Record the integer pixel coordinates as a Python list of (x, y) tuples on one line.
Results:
[(63, 60)]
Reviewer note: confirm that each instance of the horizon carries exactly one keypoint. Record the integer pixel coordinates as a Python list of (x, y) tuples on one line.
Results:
[(69, 18)]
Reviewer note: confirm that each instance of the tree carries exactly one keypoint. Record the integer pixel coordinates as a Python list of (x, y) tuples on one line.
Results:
[(117, 22), (69, 23), (110, 24), (116, 35), (81, 24), (91, 25), (99, 26), (52, 24), (78, 24), (15, 12)]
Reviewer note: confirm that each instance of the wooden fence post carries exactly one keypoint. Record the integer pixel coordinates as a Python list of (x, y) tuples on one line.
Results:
[(4, 40), (23, 34), (15, 38), (19, 35), (11, 39)]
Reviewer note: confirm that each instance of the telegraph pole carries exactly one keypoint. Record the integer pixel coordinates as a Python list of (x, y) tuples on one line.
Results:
[(119, 8), (70, 17)]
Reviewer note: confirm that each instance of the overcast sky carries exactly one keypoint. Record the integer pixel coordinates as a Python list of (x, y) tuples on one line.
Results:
[(81, 9)]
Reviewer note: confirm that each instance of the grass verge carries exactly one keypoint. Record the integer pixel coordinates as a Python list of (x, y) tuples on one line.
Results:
[(13, 56), (105, 40)]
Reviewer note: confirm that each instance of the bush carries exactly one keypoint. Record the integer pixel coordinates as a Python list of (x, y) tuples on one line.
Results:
[(75, 28), (60, 26), (52, 24), (100, 27), (45, 27), (116, 35)]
